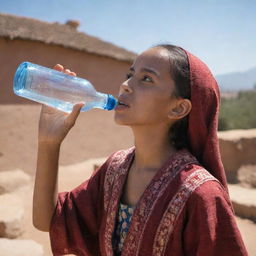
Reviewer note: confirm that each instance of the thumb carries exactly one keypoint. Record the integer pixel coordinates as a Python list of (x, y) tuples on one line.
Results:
[(71, 118)]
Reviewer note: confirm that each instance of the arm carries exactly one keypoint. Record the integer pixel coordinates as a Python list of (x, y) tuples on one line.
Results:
[(77, 218), (53, 127), (46, 187)]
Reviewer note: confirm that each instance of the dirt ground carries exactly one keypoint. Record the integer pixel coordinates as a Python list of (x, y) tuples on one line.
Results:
[(95, 135)]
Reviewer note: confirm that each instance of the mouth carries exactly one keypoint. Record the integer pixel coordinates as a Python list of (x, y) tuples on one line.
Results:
[(121, 103), (121, 106)]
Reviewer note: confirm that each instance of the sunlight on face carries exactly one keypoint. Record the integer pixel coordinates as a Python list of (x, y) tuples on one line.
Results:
[(146, 96)]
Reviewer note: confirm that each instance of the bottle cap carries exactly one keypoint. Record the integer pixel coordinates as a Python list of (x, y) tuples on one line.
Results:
[(112, 102)]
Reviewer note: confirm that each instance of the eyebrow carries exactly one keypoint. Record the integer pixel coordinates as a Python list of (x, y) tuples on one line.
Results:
[(149, 70)]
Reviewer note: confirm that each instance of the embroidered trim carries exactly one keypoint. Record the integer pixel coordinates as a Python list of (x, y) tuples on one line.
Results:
[(175, 207), (150, 197), (112, 184), (111, 174), (114, 179)]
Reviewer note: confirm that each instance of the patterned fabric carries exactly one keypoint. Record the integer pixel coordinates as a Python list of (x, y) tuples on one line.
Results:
[(175, 207), (125, 213), (183, 211), (113, 184)]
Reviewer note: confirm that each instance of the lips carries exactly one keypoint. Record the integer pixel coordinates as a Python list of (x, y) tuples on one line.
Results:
[(122, 105), (122, 102)]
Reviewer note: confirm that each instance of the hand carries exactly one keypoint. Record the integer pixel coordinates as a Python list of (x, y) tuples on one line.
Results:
[(54, 124)]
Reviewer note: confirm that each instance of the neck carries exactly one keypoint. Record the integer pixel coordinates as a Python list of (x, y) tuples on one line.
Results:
[(152, 147)]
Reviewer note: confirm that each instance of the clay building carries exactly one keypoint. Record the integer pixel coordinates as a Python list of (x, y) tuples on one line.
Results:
[(27, 39)]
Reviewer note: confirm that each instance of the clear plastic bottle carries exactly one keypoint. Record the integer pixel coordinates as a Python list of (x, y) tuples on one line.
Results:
[(58, 90)]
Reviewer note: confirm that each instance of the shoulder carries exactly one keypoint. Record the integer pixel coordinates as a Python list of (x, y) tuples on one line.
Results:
[(209, 195), (209, 190), (209, 217), (201, 187), (200, 183)]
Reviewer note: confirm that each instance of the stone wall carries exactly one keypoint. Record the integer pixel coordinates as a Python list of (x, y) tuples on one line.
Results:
[(238, 151), (12, 217)]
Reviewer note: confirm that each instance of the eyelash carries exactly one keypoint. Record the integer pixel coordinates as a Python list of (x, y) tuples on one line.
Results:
[(145, 77), (129, 75)]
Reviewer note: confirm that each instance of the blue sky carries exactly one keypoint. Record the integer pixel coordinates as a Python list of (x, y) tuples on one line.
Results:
[(220, 32)]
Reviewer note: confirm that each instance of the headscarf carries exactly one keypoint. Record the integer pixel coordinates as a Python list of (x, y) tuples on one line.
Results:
[(203, 118)]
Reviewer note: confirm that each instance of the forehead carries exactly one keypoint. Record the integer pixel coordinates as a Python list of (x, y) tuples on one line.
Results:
[(156, 58)]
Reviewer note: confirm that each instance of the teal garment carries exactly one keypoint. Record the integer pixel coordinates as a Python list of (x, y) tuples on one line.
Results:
[(124, 217)]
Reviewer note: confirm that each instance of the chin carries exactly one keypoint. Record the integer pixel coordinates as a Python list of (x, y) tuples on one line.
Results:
[(121, 120)]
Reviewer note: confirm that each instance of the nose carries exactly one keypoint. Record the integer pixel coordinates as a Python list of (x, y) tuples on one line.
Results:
[(126, 87)]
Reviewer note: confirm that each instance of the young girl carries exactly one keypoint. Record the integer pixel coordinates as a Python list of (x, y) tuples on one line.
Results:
[(167, 195)]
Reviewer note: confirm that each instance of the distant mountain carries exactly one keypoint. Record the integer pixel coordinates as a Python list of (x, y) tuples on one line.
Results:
[(237, 81)]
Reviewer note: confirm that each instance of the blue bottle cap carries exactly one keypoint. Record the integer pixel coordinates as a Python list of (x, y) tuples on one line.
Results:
[(112, 102)]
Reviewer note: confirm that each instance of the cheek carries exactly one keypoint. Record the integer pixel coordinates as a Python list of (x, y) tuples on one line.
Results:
[(153, 108), (154, 101), (148, 107)]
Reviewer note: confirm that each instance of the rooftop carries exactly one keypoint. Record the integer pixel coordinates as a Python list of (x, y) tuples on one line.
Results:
[(66, 35)]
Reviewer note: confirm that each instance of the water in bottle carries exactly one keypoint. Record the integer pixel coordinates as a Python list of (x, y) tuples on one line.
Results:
[(57, 89)]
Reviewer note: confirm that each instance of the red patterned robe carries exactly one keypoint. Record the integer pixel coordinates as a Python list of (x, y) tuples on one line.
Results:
[(183, 211)]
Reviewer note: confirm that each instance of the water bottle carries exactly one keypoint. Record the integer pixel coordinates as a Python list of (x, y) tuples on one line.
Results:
[(58, 90)]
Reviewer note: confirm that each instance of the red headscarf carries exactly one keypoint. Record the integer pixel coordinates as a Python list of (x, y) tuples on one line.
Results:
[(203, 118)]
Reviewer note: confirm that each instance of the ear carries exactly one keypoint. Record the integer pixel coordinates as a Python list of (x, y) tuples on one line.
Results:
[(180, 109)]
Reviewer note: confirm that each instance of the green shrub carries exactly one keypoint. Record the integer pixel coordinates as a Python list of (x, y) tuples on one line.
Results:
[(238, 112)]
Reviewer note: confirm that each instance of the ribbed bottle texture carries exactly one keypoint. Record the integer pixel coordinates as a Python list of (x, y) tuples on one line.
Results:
[(57, 89)]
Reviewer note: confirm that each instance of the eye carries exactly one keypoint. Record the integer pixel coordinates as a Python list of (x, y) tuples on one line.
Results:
[(128, 76), (147, 79)]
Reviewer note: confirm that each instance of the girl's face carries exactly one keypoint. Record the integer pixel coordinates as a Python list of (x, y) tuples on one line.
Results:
[(146, 96)]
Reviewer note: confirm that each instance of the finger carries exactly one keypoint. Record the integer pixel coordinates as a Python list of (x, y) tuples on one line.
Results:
[(58, 67), (67, 71), (71, 119), (72, 73), (47, 109)]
